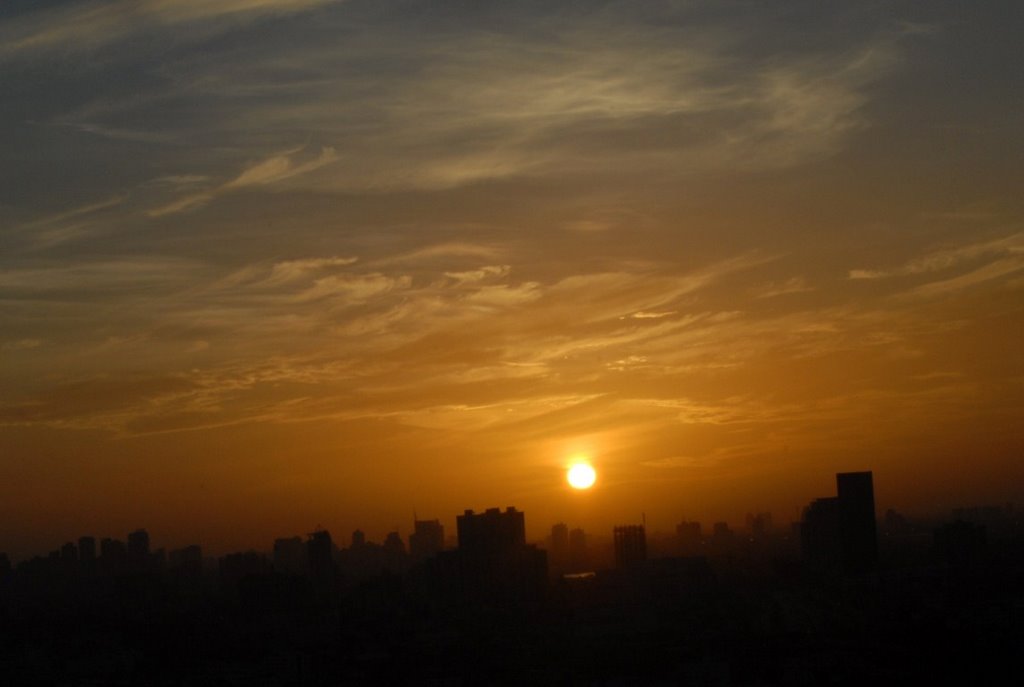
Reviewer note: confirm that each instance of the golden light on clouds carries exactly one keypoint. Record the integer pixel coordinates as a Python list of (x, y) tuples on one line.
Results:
[(426, 258)]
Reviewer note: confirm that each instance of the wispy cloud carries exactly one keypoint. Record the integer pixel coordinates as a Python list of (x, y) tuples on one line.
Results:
[(598, 92), (442, 252), (391, 324), (647, 315), (290, 270), (87, 25), (270, 171), (783, 288), (989, 272), (973, 264), (54, 229), (21, 344), (82, 278), (948, 258), (76, 213), (477, 275), (503, 108), (353, 289)]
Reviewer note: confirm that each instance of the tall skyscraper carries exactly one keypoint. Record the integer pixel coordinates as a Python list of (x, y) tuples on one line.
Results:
[(630, 545), (839, 533), (857, 520), (492, 530), (494, 563)]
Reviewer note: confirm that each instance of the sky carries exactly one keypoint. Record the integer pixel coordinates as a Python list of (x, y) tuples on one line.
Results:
[(269, 265)]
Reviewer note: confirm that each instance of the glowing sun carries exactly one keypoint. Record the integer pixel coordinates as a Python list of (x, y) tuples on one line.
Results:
[(581, 476)]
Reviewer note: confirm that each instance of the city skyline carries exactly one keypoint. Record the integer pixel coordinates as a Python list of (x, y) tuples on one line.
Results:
[(684, 531), (271, 263), (829, 599)]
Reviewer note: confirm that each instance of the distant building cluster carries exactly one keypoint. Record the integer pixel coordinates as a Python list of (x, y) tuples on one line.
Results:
[(316, 609), (114, 557), (491, 557)]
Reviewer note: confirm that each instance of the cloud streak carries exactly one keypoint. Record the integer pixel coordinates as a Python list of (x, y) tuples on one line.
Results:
[(273, 170), (463, 104), (949, 258), (89, 25)]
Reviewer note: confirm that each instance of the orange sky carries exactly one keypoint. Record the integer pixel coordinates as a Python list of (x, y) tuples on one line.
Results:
[(268, 265)]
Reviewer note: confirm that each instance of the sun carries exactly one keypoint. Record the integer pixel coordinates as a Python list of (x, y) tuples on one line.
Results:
[(581, 476)]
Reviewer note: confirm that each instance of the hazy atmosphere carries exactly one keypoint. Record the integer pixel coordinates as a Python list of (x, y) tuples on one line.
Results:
[(273, 264)]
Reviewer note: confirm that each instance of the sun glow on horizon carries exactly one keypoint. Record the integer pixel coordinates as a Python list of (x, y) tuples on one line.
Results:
[(581, 475)]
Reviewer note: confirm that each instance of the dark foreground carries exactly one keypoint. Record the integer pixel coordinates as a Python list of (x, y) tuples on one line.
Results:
[(939, 616)]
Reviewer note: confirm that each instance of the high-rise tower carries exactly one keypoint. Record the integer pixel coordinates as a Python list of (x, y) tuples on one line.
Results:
[(857, 527)]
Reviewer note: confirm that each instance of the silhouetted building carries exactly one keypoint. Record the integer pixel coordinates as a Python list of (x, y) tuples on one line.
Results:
[(187, 561), (820, 540), (689, 538), (857, 520), (237, 566), (840, 532), (492, 530), (290, 556), (319, 549), (113, 556), (87, 551), (981, 514), (69, 555), (426, 540), (560, 537), (358, 539), (138, 550), (759, 525), (723, 539), (999, 521), (370, 559), (5, 565), (896, 524), (393, 556), (393, 543), (961, 545), (493, 563), (630, 545), (158, 560), (579, 556), (558, 547)]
